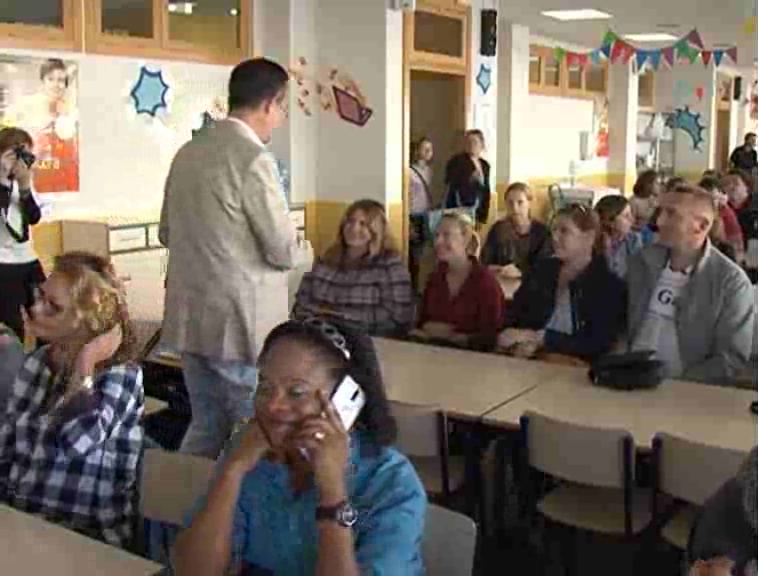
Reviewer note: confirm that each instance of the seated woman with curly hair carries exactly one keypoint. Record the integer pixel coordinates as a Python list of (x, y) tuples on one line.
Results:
[(297, 493), (70, 437)]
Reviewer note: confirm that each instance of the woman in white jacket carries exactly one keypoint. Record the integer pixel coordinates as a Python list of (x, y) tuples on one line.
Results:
[(20, 270)]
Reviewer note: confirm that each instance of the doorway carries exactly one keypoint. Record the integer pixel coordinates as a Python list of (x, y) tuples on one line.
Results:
[(436, 86), (723, 128), (438, 112)]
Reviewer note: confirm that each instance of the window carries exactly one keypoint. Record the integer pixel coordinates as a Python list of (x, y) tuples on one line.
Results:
[(52, 24), (580, 79), (212, 31), (133, 18), (438, 34), (211, 23)]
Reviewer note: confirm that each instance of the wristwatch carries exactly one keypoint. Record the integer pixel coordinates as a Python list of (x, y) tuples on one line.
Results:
[(343, 514)]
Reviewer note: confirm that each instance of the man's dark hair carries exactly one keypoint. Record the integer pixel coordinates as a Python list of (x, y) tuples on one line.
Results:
[(749, 136), (51, 65), (254, 82)]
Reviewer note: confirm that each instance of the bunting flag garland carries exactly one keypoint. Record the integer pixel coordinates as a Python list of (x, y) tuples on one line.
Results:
[(688, 48)]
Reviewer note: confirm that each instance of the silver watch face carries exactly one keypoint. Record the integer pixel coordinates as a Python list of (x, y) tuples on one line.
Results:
[(347, 516)]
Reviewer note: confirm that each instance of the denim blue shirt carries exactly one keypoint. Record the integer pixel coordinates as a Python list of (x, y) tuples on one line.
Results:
[(275, 530), (622, 251)]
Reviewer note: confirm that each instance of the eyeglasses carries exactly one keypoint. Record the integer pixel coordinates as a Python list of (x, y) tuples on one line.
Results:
[(330, 332)]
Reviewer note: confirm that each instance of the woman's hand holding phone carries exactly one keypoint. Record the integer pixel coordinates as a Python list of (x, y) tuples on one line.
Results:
[(328, 447)]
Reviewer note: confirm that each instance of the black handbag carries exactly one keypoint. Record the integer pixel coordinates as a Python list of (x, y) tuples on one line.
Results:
[(631, 371)]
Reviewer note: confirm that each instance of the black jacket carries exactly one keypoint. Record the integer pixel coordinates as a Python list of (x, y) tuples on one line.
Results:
[(598, 302), (460, 186), (499, 250), (30, 213)]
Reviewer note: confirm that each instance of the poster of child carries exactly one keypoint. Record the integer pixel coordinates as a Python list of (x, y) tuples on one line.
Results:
[(40, 96)]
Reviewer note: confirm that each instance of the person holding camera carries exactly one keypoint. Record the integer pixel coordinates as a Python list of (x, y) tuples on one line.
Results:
[(20, 269)]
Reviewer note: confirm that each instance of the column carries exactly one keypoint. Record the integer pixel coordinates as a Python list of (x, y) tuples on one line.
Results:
[(623, 95)]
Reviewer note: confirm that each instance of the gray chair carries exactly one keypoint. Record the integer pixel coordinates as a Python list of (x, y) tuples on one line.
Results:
[(449, 543)]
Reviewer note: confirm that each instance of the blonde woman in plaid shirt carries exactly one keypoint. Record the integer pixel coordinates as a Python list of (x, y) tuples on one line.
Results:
[(70, 437), (361, 277)]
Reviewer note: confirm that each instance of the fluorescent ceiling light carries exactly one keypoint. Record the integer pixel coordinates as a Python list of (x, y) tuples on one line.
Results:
[(583, 14), (651, 37)]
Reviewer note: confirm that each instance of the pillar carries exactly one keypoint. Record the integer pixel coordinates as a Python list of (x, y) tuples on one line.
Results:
[(623, 107)]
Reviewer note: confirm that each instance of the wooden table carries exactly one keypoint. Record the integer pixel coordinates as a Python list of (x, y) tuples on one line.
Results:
[(30, 546), (708, 414), (464, 384)]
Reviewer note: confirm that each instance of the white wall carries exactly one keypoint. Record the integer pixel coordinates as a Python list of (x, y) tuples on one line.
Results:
[(124, 158)]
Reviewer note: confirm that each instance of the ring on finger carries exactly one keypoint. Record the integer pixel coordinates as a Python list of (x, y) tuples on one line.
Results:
[(319, 435)]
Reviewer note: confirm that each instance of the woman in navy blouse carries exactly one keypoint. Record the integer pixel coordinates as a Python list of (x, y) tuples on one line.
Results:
[(295, 492)]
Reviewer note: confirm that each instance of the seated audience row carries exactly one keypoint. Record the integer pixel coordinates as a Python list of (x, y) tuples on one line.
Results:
[(685, 299)]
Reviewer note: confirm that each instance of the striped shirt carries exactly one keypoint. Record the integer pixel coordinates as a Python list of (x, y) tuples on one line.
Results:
[(75, 465), (376, 294)]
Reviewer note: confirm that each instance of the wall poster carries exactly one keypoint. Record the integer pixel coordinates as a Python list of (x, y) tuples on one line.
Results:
[(40, 96)]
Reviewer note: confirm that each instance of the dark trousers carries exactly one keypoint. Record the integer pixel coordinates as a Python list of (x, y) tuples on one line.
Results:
[(17, 284)]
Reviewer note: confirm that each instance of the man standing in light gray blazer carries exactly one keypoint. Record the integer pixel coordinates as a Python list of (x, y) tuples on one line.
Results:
[(231, 241)]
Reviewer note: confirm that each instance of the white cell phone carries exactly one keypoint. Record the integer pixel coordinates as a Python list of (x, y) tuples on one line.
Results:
[(348, 400)]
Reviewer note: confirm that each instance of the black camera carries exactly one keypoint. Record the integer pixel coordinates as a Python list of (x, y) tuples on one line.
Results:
[(25, 156)]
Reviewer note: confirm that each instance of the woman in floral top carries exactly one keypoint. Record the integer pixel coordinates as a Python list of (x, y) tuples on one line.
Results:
[(361, 277), (70, 438)]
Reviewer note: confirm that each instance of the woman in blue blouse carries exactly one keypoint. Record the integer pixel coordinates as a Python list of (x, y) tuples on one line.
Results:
[(353, 506)]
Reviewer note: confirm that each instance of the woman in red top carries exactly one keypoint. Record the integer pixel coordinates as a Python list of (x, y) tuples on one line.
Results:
[(463, 303)]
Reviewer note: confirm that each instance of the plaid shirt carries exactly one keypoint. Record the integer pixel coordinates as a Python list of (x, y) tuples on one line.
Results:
[(377, 295), (76, 465)]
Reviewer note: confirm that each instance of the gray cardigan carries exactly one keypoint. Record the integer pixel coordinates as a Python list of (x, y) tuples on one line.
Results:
[(715, 313)]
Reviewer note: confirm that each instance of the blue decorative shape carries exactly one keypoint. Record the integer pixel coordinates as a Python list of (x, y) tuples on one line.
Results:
[(718, 56), (149, 93), (642, 56), (595, 56), (606, 50), (484, 78), (689, 123), (655, 58)]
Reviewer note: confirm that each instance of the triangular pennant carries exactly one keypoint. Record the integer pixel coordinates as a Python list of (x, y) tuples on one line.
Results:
[(655, 58), (571, 58), (694, 38), (682, 49), (618, 50), (560, 54), (693, 55), (642, 56), (707, 55), (583, 60), (609, 38), (606, 50), (732, 53), (595, 57), (628, 53), (668, 55), (718, 56)]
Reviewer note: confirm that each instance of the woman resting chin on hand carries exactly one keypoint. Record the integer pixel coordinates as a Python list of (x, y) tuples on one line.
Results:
[(297, 493)]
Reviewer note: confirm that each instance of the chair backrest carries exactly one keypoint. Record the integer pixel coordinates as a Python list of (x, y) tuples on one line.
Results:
[(418, 429), (171, 484), (591, 456), (449, 543), (693, 472)]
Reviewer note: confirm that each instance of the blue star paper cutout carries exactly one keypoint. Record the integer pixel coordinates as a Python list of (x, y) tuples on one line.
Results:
[(149, 93), (689, 123), (484, 78)]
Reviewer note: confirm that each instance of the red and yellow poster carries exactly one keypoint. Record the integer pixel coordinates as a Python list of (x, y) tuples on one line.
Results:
[(40, 96)]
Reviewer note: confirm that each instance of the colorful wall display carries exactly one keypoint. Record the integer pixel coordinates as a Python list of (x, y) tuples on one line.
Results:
[(689, 123), (149, 92), (40, 96)]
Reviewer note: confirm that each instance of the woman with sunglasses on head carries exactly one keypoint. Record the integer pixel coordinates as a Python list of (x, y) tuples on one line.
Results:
[(361, 277), (297, 493), (20, 270), (572, 304), (463, 303), (70, 437)]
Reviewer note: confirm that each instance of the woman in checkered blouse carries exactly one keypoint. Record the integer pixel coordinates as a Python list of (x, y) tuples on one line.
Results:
[(361, 277), (70, 438)]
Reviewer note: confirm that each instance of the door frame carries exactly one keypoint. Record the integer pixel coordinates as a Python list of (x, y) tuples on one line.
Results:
[(416, 60)]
